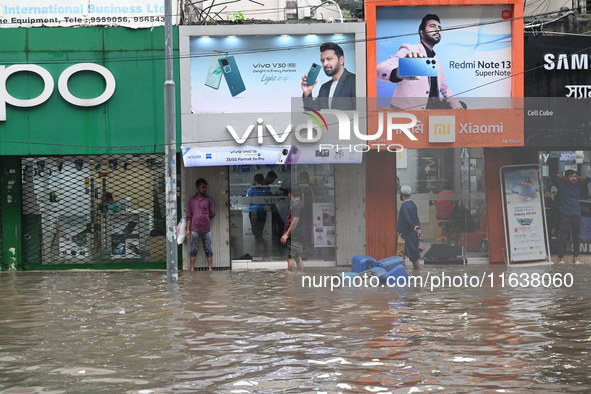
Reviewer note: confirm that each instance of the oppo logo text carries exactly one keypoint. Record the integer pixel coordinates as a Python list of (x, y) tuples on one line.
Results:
[(48, 86)]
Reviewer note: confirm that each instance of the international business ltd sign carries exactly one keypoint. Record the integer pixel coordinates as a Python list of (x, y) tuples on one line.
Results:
[(63, 13)]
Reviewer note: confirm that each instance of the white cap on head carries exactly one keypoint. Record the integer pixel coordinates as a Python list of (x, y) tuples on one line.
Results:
[(405, 190)]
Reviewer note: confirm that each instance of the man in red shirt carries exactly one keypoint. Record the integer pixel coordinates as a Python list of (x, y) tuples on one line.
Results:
[(200, 211), (444, 203)]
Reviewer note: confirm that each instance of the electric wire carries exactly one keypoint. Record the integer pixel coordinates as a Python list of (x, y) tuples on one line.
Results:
[(258, 50)]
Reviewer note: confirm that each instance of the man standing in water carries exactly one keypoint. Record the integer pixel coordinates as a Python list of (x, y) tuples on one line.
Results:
[(294, 233), (409, 228), (569, 187), (200, 211)]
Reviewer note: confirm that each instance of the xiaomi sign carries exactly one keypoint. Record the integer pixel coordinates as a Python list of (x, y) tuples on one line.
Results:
[(48, 86)]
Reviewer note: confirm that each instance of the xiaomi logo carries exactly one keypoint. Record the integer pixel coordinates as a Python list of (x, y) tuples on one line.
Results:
[(442, 129)]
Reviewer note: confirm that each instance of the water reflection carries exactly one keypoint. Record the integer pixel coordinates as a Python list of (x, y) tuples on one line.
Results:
[(261, 332)]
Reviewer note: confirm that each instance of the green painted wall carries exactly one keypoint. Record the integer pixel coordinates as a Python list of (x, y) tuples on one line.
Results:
[(132, 121), (10, 186)]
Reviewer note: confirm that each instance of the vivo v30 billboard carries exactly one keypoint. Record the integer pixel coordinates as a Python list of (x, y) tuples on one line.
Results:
[(258, 74)]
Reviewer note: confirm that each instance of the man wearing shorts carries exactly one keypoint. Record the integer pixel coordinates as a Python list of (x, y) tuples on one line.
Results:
[(294, 230), (200, 211)]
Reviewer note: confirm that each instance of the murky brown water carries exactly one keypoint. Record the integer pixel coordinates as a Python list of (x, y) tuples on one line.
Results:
[(261, 332)]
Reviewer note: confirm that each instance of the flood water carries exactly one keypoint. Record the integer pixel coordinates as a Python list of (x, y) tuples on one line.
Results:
[(262, 332)]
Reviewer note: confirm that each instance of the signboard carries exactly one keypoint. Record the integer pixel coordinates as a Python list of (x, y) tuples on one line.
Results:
[(472, 54), (64, 13), (557, 90), (268, 154), (526, 238), (258, 74)]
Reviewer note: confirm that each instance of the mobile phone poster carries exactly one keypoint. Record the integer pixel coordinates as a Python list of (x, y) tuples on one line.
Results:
[(268, 70), (525, 221), (474, 48)]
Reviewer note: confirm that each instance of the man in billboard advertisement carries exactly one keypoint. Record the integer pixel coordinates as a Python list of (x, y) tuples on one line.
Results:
[(465, 64), (426, 89), (341, 85), (261, 74)]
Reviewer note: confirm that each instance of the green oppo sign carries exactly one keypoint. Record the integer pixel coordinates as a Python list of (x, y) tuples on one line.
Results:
[(85, 90)]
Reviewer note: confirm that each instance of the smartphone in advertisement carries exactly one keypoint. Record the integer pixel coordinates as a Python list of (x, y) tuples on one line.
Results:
[(294, 155), (417, 67), (232, 75), (283, 152), (313, 73), (214, 73)]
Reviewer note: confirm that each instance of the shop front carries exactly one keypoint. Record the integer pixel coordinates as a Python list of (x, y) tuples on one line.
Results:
[(462, 122), (239, 135), (557, 131), (82, 164)]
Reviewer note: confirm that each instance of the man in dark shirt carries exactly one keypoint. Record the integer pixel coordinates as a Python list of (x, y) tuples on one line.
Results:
[(569, 187), (294, 233)]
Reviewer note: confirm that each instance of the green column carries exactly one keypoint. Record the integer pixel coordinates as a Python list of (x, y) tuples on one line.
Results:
[(10, 186)]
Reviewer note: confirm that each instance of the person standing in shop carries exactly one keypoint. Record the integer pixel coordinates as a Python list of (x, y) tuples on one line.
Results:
[(409, 228), (257, 213), (294, 231)]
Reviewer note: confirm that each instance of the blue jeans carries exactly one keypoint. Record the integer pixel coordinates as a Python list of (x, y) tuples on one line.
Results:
[(205, 239)]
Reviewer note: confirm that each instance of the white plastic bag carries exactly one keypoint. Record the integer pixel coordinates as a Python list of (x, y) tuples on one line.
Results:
[(181, 231)]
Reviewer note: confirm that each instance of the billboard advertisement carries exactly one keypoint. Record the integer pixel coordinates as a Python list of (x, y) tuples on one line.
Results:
[(524, 211), (260, 74), (447, 52), (557, 91), (63, 13)]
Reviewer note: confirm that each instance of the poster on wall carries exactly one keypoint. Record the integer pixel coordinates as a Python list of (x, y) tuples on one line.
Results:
[(465, 49), (526, 239), (63, 13), (124, 235), (257, 74), (324, 225), (73, 233)]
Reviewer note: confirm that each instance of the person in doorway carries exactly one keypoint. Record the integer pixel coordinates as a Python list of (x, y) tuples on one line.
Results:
[(444, 205), (569, 188), (257, 213), (277, 223), (294, 231), (419, 92), (200, 211), (409, 228), (341, 86), (308, 199)]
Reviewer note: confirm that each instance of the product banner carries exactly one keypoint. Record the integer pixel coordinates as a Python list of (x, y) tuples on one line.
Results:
[(63, 13), (260, 155), (324, 225), (257, 74), (523, 208), (448, 52)]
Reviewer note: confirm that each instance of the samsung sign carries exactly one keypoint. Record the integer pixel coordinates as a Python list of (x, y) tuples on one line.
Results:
[(48, 86)]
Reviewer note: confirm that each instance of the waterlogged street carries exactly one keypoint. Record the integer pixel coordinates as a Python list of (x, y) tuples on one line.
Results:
[(264, 332)]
